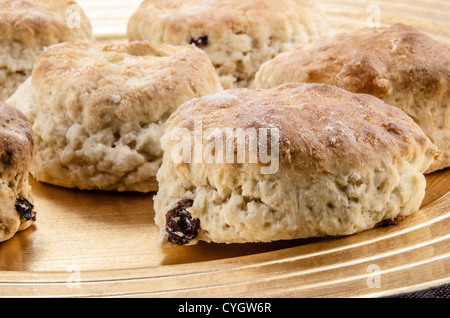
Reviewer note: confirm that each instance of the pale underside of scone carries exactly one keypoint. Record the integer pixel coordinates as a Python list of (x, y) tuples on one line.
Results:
[(346, 163), (27, 27), (399, 65), (98, 110), (16, 148), (238, 36)]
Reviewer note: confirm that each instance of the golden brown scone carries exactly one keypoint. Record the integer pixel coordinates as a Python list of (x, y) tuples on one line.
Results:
[(98, 110), (237, 35), (16, 150), (345, 163), (399, 65), (27, 27)]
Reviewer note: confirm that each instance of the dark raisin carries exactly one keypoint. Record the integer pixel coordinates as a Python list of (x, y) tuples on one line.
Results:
[(200, 41), (181, 226), (25, 209), (390, 222)]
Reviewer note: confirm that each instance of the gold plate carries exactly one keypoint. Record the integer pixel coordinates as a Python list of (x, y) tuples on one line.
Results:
[(92, 243)]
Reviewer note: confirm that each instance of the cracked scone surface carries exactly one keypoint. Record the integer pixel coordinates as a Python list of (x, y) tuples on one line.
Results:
[(346, 163), (27, 27), (98, 110), (16, 151), (399, 64), (237, 35)]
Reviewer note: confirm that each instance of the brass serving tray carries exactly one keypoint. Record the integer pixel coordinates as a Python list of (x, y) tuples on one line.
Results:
[(92, 243)]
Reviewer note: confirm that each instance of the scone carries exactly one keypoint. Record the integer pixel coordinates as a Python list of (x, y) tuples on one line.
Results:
[(329, 162), (237, 35), (27, 27), (98, 110), (399, 65), (16, 151)]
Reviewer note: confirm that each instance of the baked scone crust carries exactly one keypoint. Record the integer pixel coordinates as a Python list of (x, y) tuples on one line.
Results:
[(346, 162), (27, 27), (398, 64), (16, 151), (237, 35), (98, 110)]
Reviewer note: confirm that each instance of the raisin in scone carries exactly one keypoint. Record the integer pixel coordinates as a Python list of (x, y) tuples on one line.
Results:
[(16, 150), (98, 110), (237, 35), (27, 27), (344, 162), (398, 64)]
